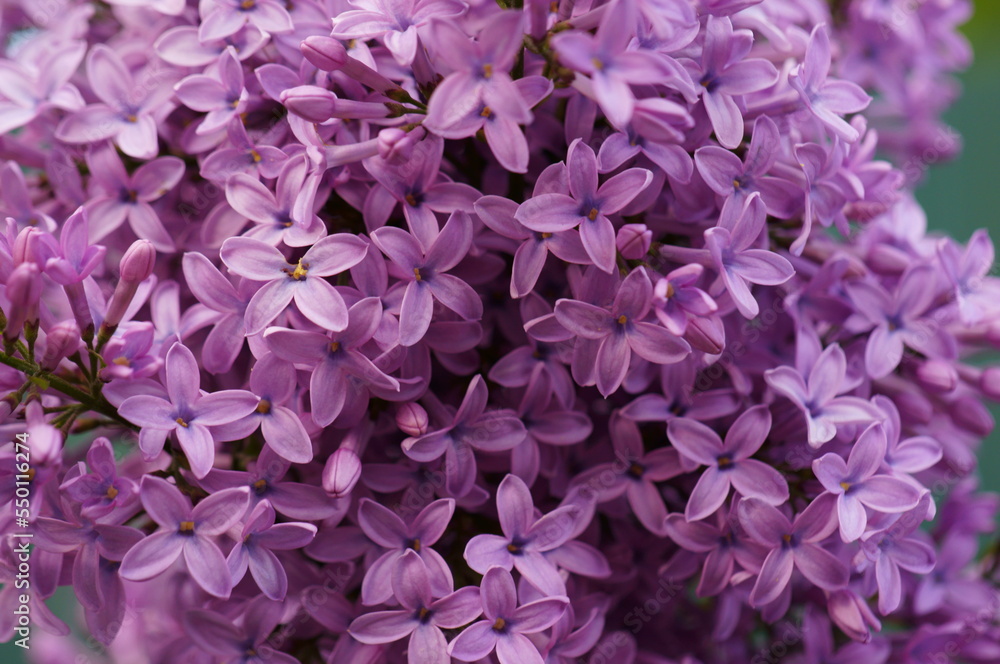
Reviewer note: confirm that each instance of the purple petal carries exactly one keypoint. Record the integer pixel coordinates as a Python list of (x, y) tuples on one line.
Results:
[(152, 556), (709, 493)]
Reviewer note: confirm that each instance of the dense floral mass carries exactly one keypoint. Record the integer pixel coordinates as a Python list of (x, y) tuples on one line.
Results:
[(457, 330)]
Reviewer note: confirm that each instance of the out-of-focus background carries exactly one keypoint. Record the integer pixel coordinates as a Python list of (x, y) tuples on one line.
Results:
[(959, 197), (964, 195)]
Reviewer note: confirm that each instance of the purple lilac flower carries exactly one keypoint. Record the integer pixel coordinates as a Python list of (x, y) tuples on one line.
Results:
[(621, 331), (858, 486), (725, 74), (129, 196), (827, 100), (472, 428), (101, 491), (525, 538), (739, 264), (247, 644), (422, 617), (792, 544), (258, 539), (633, 474), (587, 205), (816, 395), (728, 462), (302, 282), (425, 274), (397, 23), (124, 113), (186, 530), (185, 412), (222, 18), (386, 529), (506, 623), (334, 359)]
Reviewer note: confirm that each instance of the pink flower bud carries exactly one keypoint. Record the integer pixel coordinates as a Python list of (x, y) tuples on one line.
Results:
[(633, 241), (989, 382), (970, 414), (136, 266), (411, 418), (310, 102), (137, 263), (27, 246), (707, 334), (937, 376), (341, 473), (852, 615), (329, 54), (62, 341), (24, 287), (396, 144), (325, 53), (887, 260)]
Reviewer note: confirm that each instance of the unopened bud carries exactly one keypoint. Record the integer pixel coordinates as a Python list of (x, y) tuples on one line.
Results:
[(937, 376), (633, 241), (329, 54), (137, 263), (411, 418), (970, 414), (989, 382), (62, 341), (136, 266), (341, 473), (706, 333), (397, 144), (24, 287), (309, 102), (887, 260)]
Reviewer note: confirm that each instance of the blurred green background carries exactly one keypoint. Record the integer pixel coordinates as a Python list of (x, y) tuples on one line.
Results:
[(959, 197)]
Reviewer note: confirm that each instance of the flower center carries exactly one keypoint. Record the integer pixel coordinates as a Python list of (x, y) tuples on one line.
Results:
[(247, 5), (592, 215), (264, 407), (121, 361), (334, 346), (725, 461), (622, 319), (180, 421), (416, 274), (300, 271), (487, 70), (499, 625), (187, 527), (546, 236), (845, 485), (112, 492), (486, 112), (414, 544), (411, 200), (260, 486), (255, 156)]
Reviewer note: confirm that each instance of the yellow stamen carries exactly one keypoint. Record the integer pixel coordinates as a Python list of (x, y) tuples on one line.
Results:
[(131, 118), (121, 361), (248, 4), (416, 274), (410, 200), (546, 236), (112, 492), (259, 485), (187, 526), (845, 486), (487, 70), (593, 214), (334, 346), (622, 319), (598, 65), (181, 422), (415, 545), (300, 271), (499, 624), (486, 112), (255, 156), (670, 290), (264, 407)]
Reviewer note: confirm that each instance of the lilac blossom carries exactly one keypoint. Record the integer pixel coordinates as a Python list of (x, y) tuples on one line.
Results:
[(728, 462), (129, 196), (422, 617), (792, 544), (816, 395), (302, 282), (858, 486), (425, 274), (525, 538), (102, 490), (725, 74), (258, 539), (218, 636), (222, 18), (222, 97), (472, 427), (397, 23), (124, 113), (506, 623), (186, 412), (827, 100), (389, 531), (186, 530), (587, 205), (621, 331)]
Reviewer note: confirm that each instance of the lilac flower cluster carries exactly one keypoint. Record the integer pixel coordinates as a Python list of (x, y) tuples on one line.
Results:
[(517, 332)]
